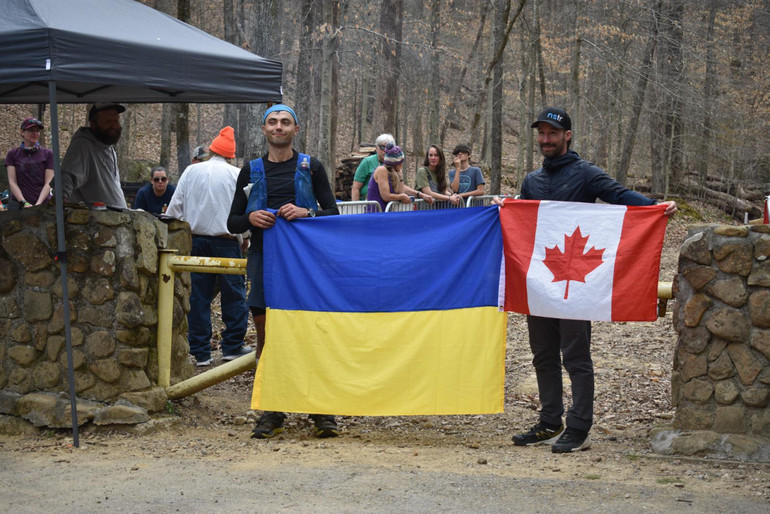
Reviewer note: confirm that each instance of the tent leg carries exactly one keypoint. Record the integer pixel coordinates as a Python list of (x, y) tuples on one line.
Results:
[(61, 255)]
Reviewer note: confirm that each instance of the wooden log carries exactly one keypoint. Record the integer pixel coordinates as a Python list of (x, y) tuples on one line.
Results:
[(732, 205)]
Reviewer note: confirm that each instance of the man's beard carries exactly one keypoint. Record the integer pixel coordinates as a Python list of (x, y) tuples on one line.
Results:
[(105, 137)]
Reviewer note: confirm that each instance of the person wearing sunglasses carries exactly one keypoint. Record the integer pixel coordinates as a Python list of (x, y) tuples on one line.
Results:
[(155, 196), (367, 166)]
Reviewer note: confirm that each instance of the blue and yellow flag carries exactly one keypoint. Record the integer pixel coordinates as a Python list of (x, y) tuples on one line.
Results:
[(384, 314)]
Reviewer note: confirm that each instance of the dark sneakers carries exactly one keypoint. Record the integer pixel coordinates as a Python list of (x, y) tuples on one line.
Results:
[(542, 433), (325, 426), (269, 425), (243, 350), (572, 440)]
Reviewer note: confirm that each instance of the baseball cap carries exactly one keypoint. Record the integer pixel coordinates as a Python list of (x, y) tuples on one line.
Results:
[(30, 122), (200, 153), (103, 106), (555, 117)]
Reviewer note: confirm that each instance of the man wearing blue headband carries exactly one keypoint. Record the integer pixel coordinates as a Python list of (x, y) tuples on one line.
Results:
[(282, 183)]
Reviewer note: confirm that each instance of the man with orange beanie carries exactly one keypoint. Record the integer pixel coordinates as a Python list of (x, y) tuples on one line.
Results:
[(202, 198)]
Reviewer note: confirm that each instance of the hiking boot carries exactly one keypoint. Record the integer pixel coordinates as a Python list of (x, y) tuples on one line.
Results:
[(542, 433), (269, 425), (572, 440), (325, 426), (243, 350)]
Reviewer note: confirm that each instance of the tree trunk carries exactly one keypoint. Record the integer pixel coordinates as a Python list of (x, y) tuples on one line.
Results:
[(123, 148), (624, 161), (575, 77), (525, 133), (497, 56), (539, 53), (457, 84), (166, 121), (496, 129), (183, 110), (232, 35), (709, 98), (325, 115), (263, 41), (418, 144), (531, 108), (390, 58), (304, 83), (435, 71)]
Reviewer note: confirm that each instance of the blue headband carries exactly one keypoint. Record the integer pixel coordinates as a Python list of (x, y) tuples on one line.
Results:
[(280, 107)]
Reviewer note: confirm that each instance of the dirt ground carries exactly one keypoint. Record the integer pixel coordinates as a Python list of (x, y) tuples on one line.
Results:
[(200, 458)]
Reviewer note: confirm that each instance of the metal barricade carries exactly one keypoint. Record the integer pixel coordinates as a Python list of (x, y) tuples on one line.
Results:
[(478, 201), (444, 204), (359, 207), (415, 205)]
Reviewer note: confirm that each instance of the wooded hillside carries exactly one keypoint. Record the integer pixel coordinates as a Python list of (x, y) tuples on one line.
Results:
[(669, 96)]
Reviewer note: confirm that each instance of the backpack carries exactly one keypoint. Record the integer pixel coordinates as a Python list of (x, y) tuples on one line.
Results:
[(303, 185)]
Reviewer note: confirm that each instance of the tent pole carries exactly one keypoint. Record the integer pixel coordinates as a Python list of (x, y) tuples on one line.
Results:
[(61, 255)]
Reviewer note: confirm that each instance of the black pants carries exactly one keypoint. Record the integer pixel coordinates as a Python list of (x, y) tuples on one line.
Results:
[(551, 339)]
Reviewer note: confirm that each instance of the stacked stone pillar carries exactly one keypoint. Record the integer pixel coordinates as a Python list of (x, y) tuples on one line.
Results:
[(721, 378), (112, 260)]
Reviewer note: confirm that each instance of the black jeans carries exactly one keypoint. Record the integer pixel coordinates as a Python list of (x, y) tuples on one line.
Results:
[(551, 339)]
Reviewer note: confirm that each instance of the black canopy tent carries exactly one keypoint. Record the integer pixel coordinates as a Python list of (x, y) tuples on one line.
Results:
[(83, 51)]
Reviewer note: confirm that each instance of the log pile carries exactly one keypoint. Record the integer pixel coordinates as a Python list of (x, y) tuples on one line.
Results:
[(737, 203), (343, 175)]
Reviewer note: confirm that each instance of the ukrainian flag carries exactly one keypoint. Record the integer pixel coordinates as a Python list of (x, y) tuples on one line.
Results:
[(384, 314)]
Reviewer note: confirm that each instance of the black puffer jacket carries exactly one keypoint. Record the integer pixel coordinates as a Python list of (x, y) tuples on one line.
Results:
[(571, 179)]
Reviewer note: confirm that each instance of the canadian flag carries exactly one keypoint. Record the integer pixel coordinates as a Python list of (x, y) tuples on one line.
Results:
[(582, 261)]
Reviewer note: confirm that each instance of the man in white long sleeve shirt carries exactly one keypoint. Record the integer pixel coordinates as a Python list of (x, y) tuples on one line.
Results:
[(202, 198)]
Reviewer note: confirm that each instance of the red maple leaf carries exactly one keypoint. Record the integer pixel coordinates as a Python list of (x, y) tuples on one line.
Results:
[(573, 263)]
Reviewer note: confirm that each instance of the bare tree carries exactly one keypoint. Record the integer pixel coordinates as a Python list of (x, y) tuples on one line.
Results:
[(709, 98), (263, 41), (624, 160), (457, 84), (435, 71), (325, 135), (304, 83), (497, 56), (496, 128), (182, 114), (391, 13)]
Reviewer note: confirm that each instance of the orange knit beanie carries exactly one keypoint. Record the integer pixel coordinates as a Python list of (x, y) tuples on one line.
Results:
[(224, 143)]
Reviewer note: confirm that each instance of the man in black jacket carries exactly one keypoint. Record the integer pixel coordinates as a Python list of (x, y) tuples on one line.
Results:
[(280, 197), (568, 178)]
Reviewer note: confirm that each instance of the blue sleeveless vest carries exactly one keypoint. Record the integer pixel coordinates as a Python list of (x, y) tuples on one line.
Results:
[(303, 185)]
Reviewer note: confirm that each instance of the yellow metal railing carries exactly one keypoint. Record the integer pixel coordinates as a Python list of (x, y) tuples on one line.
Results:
[(169, 264)]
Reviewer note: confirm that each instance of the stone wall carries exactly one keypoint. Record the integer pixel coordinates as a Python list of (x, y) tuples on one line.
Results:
[(112, 264), (720, 383)]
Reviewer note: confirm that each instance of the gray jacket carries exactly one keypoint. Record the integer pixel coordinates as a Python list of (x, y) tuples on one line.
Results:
[(89, 172)]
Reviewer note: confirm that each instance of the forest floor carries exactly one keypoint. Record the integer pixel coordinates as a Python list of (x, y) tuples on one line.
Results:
[(200, 457)]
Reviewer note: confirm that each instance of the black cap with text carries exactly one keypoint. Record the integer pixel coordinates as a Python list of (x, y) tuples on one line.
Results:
[(555, 117)]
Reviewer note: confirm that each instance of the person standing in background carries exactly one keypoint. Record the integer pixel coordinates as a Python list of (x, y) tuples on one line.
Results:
[(155, 196), (30, 168), (465, 180), (202, 198)]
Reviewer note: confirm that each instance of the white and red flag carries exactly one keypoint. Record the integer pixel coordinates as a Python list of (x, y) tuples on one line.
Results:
[(581, 260)]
